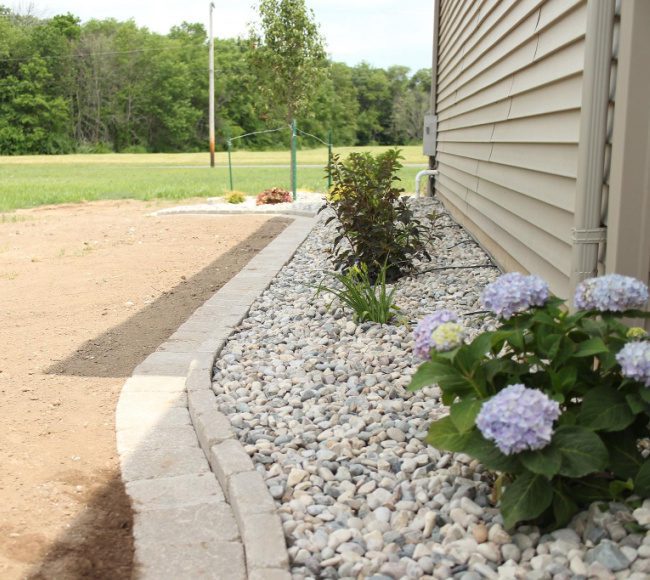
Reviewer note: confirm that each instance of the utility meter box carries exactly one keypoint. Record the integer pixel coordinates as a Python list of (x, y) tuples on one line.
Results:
[(429, 135)]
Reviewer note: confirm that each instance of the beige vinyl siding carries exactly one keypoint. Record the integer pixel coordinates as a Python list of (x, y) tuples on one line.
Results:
[(509, 90)]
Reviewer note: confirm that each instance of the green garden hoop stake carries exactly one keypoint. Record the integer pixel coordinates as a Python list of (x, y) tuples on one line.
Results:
[(329, 161), (294, 145), (230, 164)]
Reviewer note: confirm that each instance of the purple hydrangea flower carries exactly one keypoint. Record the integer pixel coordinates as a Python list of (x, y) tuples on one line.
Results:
[(518, 419), (634, 359), (514, 292), (424, 330), (611, 293)]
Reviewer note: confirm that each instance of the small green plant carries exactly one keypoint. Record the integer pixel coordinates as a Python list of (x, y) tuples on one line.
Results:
[(236, 197), (556, 403), (273, 196), (375, 224), (370, 301)]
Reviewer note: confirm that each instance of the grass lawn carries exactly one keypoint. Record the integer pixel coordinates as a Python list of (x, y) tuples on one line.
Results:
[(28, 181)]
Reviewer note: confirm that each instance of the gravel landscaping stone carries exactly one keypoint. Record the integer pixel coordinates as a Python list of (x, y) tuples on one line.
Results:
[(320, 405)]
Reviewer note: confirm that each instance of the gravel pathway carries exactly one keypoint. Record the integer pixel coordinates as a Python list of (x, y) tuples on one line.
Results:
[(320, 405)]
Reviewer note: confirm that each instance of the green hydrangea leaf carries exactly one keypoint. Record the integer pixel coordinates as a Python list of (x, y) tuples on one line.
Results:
[(427, 374), (489, 455), (582, 451), (564, 508), (624, 456), (525, 499), (546, 461), (443, 434), (591, 347), (605, 409), (464, 413), (642, 480)]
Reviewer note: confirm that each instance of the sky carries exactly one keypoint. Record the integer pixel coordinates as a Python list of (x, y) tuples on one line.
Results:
[(380, 32)]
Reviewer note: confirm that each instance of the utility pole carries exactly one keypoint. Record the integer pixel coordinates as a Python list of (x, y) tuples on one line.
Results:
[(211, 98)]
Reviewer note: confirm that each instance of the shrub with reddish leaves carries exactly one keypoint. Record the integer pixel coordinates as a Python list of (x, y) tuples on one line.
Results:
[(274, 195)]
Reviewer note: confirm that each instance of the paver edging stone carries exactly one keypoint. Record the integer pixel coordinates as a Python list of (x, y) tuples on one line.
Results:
[(252, 503), (177, 380)]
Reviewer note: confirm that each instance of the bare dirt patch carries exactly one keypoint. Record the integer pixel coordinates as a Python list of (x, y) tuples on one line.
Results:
[(88, 291)]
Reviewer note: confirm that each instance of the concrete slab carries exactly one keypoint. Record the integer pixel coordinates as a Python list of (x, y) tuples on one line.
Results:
[(175, 492)]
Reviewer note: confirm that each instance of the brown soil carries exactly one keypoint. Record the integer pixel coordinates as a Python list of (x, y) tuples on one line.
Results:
[(88, 291)]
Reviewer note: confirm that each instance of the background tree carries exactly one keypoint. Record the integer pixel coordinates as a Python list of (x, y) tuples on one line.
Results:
[(288, 55), (107, 85)]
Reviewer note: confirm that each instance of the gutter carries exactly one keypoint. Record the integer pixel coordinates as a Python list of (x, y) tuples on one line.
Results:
[(588, 232)]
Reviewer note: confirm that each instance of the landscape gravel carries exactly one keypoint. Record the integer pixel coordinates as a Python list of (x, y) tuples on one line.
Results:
[(320, 404)]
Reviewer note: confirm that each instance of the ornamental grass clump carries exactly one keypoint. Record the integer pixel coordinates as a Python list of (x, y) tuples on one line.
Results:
[(556, 403), (369, 300)]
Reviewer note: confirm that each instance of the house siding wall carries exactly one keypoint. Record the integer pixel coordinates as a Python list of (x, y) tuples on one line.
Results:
[(508, 97)]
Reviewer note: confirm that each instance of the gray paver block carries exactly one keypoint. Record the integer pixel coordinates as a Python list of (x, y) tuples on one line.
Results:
[(264, 542), (228, 458), (268, 574), (164, 363), (136, 402), (248, 495), (208, 522), (174, 492), (147, 419), (155, 438), (179, 345), (211, 345), (201, 561), (148, 463), (201, 402), (212, 427), (147, 384)]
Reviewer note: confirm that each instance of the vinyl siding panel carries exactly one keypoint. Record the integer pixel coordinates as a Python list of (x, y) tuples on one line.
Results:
[(508, 97)]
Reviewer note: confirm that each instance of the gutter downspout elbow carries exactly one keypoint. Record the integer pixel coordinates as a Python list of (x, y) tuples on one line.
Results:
[(588, 232)]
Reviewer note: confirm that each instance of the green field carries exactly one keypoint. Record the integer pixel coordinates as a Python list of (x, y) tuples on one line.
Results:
[(28, 181)]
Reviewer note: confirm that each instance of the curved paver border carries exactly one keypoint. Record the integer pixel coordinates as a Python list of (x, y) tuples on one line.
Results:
[(201, 510)]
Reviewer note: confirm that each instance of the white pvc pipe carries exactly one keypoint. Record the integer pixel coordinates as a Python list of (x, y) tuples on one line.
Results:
[(419, 176)]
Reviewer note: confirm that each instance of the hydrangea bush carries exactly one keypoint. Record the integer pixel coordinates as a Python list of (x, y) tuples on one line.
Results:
[(555, 402)]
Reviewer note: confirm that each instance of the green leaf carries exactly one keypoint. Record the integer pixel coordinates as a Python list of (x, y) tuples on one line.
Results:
[(443, 434), (489, 455), (642, 480), (463, 414), (564, 508), (619, 488), (427, 374), (546, 461), (624, 456), (591, 347), (481, 345), (525, 499), (605, 409), (582, 451), (636, 403), (564, 379), (645, 394)]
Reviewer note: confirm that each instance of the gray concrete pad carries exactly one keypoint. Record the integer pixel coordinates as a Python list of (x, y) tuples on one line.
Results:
[(207, 522), (167, 462), (198, 561), (175, 492)]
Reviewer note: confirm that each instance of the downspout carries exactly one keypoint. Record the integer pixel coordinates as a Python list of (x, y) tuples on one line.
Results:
[(418, 177), (588, 232), (434, 91)]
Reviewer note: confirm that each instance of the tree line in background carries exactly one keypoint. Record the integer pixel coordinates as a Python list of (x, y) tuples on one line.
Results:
[(106, 85)]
